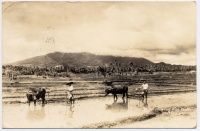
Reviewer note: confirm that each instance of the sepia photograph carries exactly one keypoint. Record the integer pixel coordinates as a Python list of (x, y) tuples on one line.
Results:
[(99, 64)]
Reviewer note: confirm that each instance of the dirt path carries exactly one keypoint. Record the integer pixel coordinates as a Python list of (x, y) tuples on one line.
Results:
[(101, 112)]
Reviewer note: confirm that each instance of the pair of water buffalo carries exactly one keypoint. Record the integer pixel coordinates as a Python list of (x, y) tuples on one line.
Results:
[(35, 94)]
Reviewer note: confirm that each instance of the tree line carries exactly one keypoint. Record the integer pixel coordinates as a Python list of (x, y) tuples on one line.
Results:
[(120, 68)]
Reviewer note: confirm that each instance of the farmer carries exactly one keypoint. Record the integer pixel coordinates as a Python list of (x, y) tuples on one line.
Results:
[(69, 93), (145, 89)]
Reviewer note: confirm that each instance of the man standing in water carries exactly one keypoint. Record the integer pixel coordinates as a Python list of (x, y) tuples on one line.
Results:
[(145, 90), (69, 93)]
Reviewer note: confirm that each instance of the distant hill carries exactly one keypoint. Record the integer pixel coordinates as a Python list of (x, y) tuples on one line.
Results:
[(78, 60)]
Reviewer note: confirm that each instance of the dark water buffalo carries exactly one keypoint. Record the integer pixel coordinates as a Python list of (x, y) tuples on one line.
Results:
[(117, 90), (36, 94)]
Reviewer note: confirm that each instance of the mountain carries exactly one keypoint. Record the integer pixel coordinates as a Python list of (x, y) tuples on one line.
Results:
[(78, 60)]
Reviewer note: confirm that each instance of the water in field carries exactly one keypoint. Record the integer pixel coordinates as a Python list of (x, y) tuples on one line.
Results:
[(62, 115), (85, 112)]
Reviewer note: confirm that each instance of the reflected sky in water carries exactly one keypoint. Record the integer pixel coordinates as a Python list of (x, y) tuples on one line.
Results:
[(63, 115)]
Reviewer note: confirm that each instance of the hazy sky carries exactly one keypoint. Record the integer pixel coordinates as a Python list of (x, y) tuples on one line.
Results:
[(158, 31)]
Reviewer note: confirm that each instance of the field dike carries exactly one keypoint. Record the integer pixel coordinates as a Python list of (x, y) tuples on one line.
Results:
[(152, 114)]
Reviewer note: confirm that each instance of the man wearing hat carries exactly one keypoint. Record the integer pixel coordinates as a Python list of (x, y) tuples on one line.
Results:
[(71, 88)]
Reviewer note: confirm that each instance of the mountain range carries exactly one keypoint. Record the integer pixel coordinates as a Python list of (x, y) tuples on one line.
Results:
[(78, 60)]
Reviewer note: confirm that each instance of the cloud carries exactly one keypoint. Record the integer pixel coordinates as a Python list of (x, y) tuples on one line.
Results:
[(184, 59), (177, 50), (137, 29)]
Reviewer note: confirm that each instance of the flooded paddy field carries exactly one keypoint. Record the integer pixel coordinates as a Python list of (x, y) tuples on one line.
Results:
[(91, 108), (89, 113), (56, 92)]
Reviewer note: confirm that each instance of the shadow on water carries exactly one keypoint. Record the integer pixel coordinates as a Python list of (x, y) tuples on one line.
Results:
[(35, 114), (118, 106)]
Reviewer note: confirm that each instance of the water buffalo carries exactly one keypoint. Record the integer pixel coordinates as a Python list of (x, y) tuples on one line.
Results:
[(36, 94), (117, 90)]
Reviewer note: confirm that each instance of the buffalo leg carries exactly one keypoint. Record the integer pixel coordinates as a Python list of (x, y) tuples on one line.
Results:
[(123, 96), (43, 100), (34, 102), (126, 94), (115, 97)]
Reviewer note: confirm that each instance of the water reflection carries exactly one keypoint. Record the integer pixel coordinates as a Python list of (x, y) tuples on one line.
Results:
[(69, 114), (120, 106), (71, 111), (143, 103), (35, 114)]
